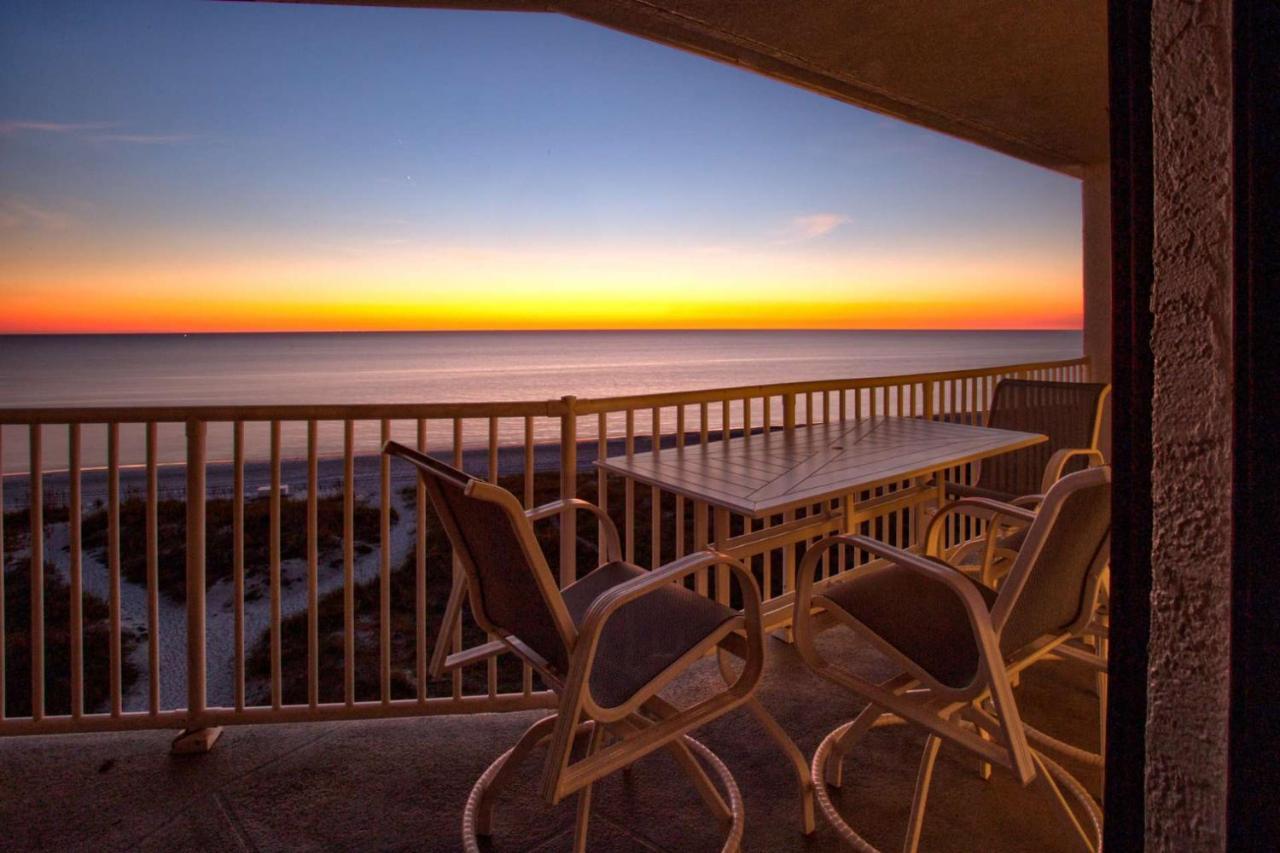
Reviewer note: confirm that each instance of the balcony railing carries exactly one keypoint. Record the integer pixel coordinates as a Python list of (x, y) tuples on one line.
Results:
[(184, 603)]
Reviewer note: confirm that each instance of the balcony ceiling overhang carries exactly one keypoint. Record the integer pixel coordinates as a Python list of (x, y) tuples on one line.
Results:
[(1025, 79)]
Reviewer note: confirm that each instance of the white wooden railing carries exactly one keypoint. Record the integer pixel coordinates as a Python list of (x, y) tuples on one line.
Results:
[(542, 449)]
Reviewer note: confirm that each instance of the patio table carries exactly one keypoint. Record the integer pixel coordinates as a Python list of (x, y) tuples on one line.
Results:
[(766, 474)]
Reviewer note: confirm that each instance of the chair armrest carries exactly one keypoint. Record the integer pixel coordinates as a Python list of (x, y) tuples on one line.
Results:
[(984, 508), (612, 543), (1028, 501), (613, 599), (1060, 458)]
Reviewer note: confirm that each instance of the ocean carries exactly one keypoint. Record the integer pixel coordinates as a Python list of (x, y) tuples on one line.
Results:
[(141, 370)]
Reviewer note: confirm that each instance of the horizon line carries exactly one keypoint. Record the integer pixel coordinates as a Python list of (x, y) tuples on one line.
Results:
[(206, 333)]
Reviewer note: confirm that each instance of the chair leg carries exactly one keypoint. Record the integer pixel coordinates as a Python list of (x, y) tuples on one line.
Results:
[(584, 796), (684, 757), (798, 762), (531, 738), (1056, 793), (861, 724), (789, 749), (984, 767), (916, 822)]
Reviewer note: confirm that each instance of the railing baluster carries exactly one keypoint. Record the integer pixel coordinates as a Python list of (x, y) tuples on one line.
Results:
[(237, 555), (629, 493), (655, 494), (568, 489), (76, 570), (273, 546), (113, 564), (602, 478), (491, 665), (420, 562), (384, 567), (196, 664), (35, 489), (529, 463), (153, 573), (3, 651), (348, 563), (680, 526), (456, 640), (313, 564)]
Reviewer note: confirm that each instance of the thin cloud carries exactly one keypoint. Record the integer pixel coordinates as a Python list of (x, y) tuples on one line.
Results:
[(143, 138), (812, 226), (12, 126), (90, 130), (17, 213)]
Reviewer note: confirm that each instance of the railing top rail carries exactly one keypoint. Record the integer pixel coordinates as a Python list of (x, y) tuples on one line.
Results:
[(672, 398), (499, 409)]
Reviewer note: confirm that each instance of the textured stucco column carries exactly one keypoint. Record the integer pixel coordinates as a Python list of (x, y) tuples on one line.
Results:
[(1095, 209), (1188, 675)]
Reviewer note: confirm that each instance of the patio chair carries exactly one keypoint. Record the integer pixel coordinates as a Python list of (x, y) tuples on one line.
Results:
[(957, 644), (1087, 647), (605, 646), (1070, 414)]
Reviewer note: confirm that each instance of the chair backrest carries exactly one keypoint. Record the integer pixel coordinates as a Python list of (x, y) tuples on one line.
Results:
[(1054, 579), (1069, 413), (511, 588)]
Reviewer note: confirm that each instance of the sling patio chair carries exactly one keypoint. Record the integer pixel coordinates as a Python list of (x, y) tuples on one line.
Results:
[(958, 645), (605, 645), (1070, 414), (1087, 647)]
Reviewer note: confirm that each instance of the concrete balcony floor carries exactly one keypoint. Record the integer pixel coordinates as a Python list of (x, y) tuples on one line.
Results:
[(401, 784)]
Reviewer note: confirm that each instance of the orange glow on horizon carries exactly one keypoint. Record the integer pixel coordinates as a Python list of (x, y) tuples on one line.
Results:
[(455, 290)]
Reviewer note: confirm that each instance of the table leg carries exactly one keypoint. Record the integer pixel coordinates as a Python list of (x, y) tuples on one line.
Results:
[(722, 537), (700, 540)]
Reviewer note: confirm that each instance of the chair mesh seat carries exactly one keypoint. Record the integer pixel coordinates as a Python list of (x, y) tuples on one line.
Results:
[(920, 617), (644, 637)]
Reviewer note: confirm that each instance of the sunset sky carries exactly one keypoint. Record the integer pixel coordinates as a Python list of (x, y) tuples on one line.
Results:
[(192, 166)]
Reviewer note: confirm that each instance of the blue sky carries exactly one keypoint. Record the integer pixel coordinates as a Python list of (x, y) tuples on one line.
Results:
[(159, 136)]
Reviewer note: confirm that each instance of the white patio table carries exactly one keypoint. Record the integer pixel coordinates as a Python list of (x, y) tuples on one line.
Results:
[(821, 468)]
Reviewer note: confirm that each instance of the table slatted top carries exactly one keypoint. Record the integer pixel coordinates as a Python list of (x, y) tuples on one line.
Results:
[(764, 473)]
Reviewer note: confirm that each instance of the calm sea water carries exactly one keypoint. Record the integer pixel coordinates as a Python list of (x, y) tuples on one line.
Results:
[(137, 370)]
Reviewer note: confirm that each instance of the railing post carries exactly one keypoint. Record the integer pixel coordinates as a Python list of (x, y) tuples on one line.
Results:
[(928, 399), (568, 489), (35, 489), (195, 738), (788, 412)]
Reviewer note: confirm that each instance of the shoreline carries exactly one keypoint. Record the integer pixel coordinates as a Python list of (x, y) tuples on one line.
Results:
[(219, 476)]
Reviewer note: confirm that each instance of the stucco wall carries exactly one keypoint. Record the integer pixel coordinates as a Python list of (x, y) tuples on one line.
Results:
[(1187, 705)]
